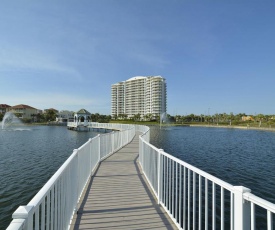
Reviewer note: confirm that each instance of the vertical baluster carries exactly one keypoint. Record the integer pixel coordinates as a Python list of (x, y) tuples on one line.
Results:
[(164, 181), (157, 165), (48, 212), (188, 198), (63, 207), (184, 197), (222, 208), (145, 160), (68, 194), (160, 177), (180, 196), (176, 203), (199, 202), (269, 220), (170, 181), (173, 189), (52, 207), (252, 216), (148, 161), (43, 215), (153, 166), (206, 204), (59, 204), (37, 218), (231, 211), (55, 205), (194, 200), (213, 206), (167, 183)]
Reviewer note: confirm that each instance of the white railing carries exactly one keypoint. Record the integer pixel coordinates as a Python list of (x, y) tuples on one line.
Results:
[(110, 126), (195, 199), (97, 125), (55, 204), (192, 198), (79, 123), (254, 202)]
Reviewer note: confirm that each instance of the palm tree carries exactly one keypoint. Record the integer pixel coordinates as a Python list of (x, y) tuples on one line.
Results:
[(260, 117), (202, 117), (137, 117), (115, 117)]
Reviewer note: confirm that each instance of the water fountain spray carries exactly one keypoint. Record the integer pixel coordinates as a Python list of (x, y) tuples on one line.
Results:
[(9, 120)]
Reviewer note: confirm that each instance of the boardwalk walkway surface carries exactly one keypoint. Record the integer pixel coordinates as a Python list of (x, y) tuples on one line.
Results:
[(118, 197)]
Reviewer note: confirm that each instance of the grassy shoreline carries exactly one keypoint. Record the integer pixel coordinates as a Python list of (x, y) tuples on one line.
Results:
[(237, 127), (264, 127)]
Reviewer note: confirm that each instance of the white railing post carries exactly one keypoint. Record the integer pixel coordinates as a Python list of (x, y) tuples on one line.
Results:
[(77, 181), (142, 155), (26, 213), (159, 174), (90, 154), (113, 141), (241, 209), (99, 158)]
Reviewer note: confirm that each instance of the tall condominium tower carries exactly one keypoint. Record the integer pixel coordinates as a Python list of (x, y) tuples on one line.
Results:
[(139, 95)]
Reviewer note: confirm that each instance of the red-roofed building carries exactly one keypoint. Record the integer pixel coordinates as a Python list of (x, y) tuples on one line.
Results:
[(23, 111), (3, 108)]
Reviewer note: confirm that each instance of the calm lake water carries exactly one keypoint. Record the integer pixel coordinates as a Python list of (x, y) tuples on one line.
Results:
[(29, 156), (239, 157)]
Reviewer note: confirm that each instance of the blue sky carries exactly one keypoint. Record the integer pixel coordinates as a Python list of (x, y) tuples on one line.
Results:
[(216, 56)]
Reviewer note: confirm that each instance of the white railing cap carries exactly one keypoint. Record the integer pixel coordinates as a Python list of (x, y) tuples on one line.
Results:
[(259, 201), (22, 212)]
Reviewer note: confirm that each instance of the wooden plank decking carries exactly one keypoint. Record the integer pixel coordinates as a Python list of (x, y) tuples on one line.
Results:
[(118, 197)]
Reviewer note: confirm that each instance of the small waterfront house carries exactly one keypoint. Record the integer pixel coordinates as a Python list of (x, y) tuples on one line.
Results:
[(22, 111), (65, 116), (247, 118), (3, 108)]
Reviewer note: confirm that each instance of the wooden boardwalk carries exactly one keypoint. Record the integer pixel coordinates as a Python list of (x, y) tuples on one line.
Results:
[(118, 197)]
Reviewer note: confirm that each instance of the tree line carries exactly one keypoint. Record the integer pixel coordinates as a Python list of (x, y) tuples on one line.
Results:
[(51, 115), (230, 118), (223, 118), (95, 117)]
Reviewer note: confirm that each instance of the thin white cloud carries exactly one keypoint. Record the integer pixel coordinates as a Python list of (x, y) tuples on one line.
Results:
[(14, 59)]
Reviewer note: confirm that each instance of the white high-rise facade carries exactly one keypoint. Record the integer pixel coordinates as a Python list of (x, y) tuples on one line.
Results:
[(139, 95), (118, 98)]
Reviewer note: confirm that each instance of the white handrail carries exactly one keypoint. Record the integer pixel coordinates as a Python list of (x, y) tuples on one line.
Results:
[(259, 201), (54, 205), (186, 192), (189, 195)]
